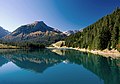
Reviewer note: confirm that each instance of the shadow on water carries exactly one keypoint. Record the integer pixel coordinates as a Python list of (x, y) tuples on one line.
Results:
[(107, 69)]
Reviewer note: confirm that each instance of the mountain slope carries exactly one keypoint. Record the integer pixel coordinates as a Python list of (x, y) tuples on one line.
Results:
[(105, 33), (3, 32), (38, 32)]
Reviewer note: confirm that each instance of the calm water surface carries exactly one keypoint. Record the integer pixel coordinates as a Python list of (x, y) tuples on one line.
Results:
[(57, 67)]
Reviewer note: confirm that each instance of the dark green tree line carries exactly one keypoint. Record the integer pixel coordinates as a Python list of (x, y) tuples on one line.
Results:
[(105, 33)]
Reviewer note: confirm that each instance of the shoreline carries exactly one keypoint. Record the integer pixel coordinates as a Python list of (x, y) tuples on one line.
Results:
[(105, 53)]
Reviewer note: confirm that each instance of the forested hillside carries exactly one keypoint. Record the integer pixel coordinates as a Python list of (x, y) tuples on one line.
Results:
[(105, 33)]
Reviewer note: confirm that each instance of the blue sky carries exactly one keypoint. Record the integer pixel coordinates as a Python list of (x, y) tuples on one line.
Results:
[(60, 14)]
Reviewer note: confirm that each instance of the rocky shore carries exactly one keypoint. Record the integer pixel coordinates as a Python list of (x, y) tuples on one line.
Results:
[(106, 53)]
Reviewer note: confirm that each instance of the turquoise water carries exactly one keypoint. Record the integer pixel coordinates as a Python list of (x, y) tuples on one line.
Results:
[(57, 66)]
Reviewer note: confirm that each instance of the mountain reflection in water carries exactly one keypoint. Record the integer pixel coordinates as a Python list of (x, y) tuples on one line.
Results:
[(107, 69)]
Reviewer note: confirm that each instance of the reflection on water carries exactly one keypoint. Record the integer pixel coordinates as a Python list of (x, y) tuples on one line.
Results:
[(3, 61), (106, 69)]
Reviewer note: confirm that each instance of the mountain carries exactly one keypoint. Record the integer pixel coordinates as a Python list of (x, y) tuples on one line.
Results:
[(69, 32), (3, 32), (103, 34), (38, 32)]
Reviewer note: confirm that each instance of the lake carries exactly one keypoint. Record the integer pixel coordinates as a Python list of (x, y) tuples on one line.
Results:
[(56, 66)]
